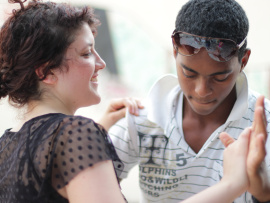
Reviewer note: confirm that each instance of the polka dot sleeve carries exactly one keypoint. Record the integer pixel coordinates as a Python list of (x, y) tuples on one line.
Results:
[(81, 143)]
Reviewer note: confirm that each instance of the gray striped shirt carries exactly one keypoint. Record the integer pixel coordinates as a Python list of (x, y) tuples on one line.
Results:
[(169, 170)]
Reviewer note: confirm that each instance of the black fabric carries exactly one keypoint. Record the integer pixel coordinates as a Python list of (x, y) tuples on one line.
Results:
[(257, 201), (47, 153)]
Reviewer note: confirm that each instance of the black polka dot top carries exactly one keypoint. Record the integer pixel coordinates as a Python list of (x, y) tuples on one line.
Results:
[(47, 153)]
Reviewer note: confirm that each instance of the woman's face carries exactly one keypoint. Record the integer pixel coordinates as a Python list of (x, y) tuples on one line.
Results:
[(78, 85)]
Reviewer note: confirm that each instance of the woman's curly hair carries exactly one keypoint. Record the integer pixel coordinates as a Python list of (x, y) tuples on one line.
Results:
[(33, 36)]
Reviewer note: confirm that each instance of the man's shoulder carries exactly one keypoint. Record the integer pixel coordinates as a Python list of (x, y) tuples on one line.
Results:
[(253, 95)]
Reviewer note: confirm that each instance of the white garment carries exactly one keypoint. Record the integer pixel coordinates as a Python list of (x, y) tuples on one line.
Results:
[(170, 171)]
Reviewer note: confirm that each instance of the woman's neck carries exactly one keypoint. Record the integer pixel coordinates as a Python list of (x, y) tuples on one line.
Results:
[(38, 108)]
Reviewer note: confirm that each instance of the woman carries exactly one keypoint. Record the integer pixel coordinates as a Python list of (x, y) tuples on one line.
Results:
[(49, 66)]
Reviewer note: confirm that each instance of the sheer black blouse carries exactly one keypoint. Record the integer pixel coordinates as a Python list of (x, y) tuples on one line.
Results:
[(47, 153)]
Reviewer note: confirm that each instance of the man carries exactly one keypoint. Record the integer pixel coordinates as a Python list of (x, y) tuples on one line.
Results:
[(175, 140)]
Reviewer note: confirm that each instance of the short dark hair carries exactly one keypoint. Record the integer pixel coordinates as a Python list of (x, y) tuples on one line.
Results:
[(214, 18), (37, 35)]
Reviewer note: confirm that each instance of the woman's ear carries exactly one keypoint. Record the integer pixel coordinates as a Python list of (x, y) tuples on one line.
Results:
[(245, 58), (50, 77)]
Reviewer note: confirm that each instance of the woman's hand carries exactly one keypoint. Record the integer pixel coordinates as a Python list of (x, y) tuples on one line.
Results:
[(256, 169), (235, 160), (117, 110), (259, 184), (235, 178), (243, 164)]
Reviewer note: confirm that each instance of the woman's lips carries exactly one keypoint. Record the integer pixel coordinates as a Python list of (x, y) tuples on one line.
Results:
[(94, 78)]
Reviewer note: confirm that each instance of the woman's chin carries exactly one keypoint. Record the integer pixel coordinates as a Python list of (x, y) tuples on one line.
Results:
[(95, 100)]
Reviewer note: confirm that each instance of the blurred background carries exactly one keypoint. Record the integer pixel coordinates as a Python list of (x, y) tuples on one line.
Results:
[(134, 40)]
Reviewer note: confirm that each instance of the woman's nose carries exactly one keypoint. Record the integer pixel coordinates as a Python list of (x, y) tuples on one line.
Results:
[(100, 63)]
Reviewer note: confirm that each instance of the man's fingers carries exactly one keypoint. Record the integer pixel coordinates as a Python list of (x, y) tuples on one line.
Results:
[(259, 124)]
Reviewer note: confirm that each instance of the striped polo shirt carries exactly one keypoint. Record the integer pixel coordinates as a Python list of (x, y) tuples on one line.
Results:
[(169, 170)]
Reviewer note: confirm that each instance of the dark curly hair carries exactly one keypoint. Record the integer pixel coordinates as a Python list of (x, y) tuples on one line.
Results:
[(214, 18), (37, 35)]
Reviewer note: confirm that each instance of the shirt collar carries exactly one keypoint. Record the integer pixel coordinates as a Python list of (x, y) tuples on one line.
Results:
[(241, 103), (163, 97)]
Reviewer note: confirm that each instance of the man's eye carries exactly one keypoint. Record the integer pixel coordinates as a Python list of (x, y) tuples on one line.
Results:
[(188, 74), (221, 78)]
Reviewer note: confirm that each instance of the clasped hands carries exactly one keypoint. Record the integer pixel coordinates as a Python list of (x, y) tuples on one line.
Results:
[(249, 152)]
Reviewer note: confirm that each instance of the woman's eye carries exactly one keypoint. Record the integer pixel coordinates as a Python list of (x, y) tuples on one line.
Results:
[(87, 54)]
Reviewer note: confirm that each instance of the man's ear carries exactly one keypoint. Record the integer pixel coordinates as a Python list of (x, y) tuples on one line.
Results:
[(174, 52), (50, 77), (245, 58)]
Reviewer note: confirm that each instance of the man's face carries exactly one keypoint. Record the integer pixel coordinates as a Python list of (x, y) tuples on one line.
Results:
[(206, 83)]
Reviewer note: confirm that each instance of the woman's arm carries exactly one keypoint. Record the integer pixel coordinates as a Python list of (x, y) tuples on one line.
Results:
[(234, 181), (96, 184), (257, 172), (243, 164), (117, 110)]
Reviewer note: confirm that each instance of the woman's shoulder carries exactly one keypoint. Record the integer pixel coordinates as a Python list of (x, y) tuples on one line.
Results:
[(70, 144), (80, 124), (51, 128), (78, 143), (49, 123), (61, 118)]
